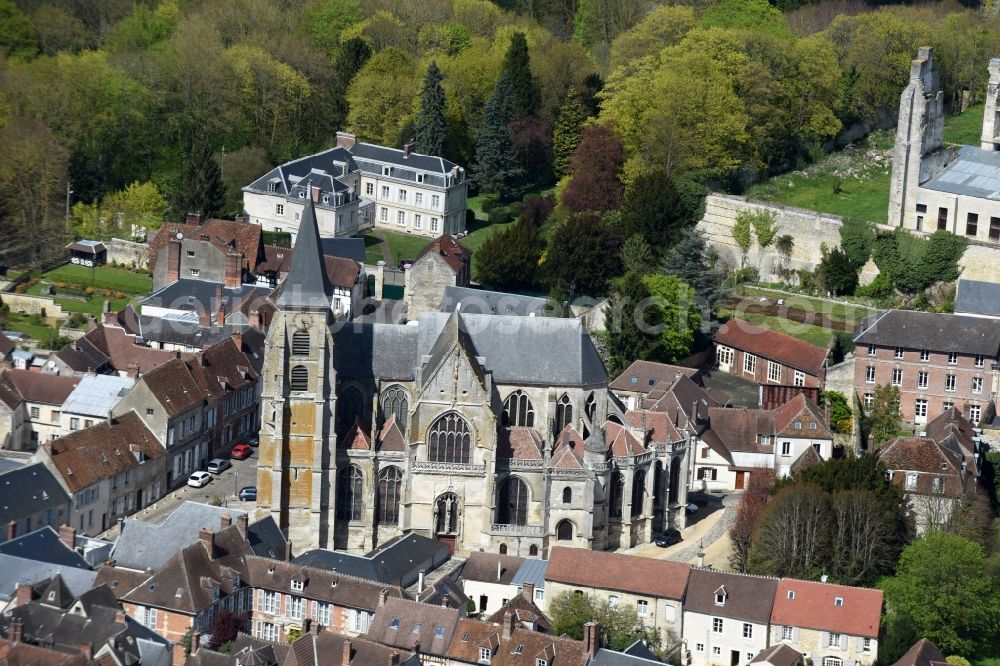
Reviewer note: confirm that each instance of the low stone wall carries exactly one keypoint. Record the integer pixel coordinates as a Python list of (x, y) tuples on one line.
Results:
[(27, 304), (809, 230), (127, 252)]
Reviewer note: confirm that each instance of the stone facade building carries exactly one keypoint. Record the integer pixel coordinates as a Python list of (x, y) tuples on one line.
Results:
[(441, 264), (480, 431), (938, 187)]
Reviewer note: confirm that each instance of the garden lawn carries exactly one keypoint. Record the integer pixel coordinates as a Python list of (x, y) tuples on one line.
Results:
[(966, 128), (40, 333), (91, 307), (402, 246), (103, 277), (816, 335), (841, 311), (856, 198)]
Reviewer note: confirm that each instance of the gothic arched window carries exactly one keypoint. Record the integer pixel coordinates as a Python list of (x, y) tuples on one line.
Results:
[(590, 409), (512, 502), (446, 512), (638, 492), (673, 490), (657, 482), (615, 493), (350, 407), (564, 531), (350, 493), (533, 551), (390, 481), (300, 378), (449, 439), (300, 343), (518, 410), (564, 412), (395, 403), (503, 549)]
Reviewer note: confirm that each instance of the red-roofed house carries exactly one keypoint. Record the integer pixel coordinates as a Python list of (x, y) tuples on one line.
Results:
[(444, 262), (766, 356), (31, 407), (832, 625), (654, 588)]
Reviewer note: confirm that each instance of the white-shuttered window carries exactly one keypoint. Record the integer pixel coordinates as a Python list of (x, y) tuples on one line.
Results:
[(268, 602), (322, 613), (786, 633), (295, 607)]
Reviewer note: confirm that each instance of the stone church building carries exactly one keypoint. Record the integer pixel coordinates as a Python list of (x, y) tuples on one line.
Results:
[(481, 431)]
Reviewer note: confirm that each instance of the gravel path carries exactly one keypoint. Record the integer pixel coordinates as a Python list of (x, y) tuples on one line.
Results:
[(730, 504)]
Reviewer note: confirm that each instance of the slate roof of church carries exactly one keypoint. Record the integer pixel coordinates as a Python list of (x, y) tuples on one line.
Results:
[(306, 287)]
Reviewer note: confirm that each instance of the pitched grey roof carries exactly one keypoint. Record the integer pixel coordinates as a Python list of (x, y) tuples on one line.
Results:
[(932, 331), (611, 658), (96, 395), (399, 562), (44, 545), (14, 570), (370, 158), (143, 545), (976, 297), (975, 173), (355, 346), (482, 301), (306, 287), (266, 539), (347, 248), (323, 169), (29, 490), (531, 571)]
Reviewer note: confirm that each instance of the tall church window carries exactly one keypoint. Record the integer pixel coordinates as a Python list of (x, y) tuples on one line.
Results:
[(564, 412), (591, 407), (350, 493), (300, 378), (449, 439), (638, 492), (616, 491), (564, 531), (446, 514), (349, 407), (567, 495), (673, 492), (657, 482), (395, 403), (390, 482), (518, 410), (512, 503), (300, 343)]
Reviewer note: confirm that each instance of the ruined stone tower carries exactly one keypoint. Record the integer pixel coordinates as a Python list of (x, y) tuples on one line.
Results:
[(295, 474), (990, 139), (918, 133)]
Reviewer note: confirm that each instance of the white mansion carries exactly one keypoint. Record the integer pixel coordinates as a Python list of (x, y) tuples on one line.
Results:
[(362, 185)]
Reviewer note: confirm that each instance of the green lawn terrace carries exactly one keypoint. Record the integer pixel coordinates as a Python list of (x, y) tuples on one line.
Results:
[(854, 182), (81, 289)]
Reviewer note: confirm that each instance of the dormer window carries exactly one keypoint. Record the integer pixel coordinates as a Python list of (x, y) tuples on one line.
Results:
[(326, 198), (791, 594), (394, 624), (297, 585), (386, 171), (420, 177), (838, 601), (720, 596), (485, 654), (302, 194), (541, 662), (416, 628)]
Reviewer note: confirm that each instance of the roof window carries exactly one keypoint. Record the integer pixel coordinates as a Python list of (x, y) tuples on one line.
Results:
[(839, 601), (394, 624), (791, 594)]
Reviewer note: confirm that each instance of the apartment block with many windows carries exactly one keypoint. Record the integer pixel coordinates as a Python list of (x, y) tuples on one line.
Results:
[(938, 361)]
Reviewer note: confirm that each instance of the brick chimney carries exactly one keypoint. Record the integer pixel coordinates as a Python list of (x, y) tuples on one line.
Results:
[(314, 192), (288, 551), (67, 534), (346, 659), (394, 658), (207, 538), (226, 521), (238, 339), (528, 590), (87, 650), (592, 638), (195, 641), (204, 316), (22, 594), (242, 521), (173, 260), (193, 219), (16, 630), (383, 597), (233, 277), (120, 616), (11, 530), (346, 140), (408, 148), (508, 625), (315, 627)]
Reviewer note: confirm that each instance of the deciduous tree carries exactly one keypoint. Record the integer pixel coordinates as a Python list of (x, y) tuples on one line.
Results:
[(794, 534), (595, 165)]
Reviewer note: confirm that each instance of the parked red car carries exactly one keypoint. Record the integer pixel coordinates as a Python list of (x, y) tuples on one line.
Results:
[(241, 452)]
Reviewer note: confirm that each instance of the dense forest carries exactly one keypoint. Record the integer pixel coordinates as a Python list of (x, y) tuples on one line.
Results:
[(112, 111)]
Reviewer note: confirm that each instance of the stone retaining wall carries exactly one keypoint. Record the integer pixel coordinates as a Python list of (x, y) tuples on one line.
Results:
[(127, 252), (28, 304)]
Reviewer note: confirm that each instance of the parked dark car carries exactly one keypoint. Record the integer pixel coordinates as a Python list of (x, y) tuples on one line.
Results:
[(668, 538), (248, 494)]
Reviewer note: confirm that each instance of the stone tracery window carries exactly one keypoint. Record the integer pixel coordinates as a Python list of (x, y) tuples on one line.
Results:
[(395, 403), (350, 493), (518, 410), (638, 492), (512, 502), (449, 439), (564, 412), (350, 407), (591, 407), (390, 482)]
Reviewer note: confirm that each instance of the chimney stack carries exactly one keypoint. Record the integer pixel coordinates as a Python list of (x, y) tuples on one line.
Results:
[(346, 140), (592, 638), (508, 625), (408, 148), (195, 641), (315, 193), (226, 521), (394, 658), (207, 538), (528, 590), (193, 219), (233, 277), (11, 530), (288, 551), (242, 521), (87, 650), (204, 316), (16, 630), (383, 597), (22, 595), (499, 570), (315, 628), (67, 534), (173, 259), (120, 616), (347, 654)]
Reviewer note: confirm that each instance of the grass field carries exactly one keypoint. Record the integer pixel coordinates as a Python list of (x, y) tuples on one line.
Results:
[(402, 246), (91, 307), (816, 335), (23, 324), (840, 311), (966, 128), (103, 277)]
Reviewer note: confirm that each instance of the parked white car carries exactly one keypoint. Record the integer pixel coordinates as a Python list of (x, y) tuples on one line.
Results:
[(199, 479)]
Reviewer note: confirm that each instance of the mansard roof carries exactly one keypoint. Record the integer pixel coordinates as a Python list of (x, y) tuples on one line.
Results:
[(323, 170)]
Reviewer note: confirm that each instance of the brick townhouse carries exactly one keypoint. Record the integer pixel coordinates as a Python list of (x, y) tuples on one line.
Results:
[(938, 361), (765, 356)]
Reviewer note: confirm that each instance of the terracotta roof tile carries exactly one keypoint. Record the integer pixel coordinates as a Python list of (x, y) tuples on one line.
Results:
[(809, 457), (88, 456), (567, 452), (611, 571), (38, 387), (805, 412), (390, 438), (930, 460), (923, 653), (525, 612), (815, 606), (519, 443), (491, 568), (342, 272), (448, 248), (173, 385), (401, 623), (357, 438), (620, 441), (657, 425), (321, 584), (226, 235), (643, 376), (770, 344), (558, 651)]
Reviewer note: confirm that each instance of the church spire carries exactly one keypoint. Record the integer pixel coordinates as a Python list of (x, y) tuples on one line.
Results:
[(306, 287)]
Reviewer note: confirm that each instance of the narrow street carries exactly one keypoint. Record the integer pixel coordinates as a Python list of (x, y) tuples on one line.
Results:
[(706, 532)]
